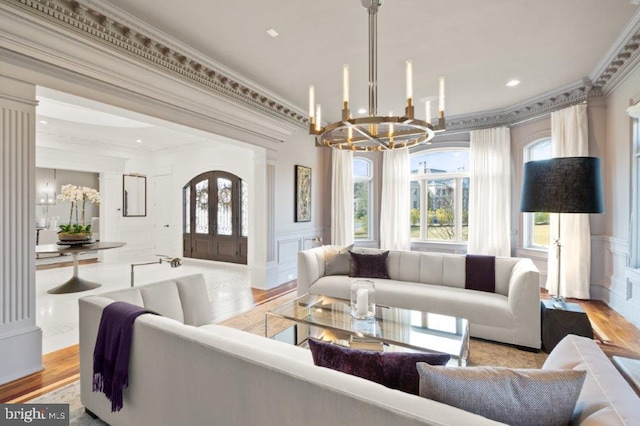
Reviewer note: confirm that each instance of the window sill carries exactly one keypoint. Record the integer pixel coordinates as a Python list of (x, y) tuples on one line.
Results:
[(532, 253)]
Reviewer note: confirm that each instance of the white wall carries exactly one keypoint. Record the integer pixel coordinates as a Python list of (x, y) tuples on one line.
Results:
[(290, 236), (620, 287)]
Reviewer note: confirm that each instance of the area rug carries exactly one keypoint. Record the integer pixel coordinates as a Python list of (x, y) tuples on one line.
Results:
[(481, 353)]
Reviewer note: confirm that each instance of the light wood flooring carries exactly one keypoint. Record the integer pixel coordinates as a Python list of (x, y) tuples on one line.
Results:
[(618, 337)]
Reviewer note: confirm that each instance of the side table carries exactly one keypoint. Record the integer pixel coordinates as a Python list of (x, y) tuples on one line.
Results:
[(557, 322)]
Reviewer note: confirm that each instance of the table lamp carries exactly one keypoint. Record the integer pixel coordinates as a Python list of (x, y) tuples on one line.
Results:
[(562, 185)]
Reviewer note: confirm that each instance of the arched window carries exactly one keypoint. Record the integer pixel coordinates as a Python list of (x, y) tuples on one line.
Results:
[(536, 225), (362, 187), (440, 195)]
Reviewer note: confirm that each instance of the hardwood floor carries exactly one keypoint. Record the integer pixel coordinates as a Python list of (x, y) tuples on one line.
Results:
[(619, 337)]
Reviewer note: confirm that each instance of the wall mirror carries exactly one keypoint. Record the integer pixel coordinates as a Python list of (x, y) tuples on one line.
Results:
[(134, 195)]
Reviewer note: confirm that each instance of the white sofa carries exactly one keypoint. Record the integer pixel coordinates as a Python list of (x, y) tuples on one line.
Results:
[(434, 282), (195, 373)]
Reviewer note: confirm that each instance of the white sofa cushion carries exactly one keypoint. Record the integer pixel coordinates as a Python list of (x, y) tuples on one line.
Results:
[(606, 398), (470, 304)]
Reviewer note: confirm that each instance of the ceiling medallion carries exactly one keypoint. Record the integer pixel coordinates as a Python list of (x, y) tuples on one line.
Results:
[(373, 132)]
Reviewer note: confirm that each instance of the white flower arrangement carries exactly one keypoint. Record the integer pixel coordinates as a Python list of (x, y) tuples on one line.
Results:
[(77, 195)]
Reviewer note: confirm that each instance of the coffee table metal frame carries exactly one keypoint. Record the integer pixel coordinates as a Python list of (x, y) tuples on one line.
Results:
[(397, 328)]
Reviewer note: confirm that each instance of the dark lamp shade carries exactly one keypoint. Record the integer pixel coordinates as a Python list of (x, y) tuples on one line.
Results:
[(563, 185)]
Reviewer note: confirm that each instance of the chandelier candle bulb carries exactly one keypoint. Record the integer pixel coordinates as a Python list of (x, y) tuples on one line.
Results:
[(427, 105), (312, 102), (318, 117), (345, 85), (409, 82), (441, 98)]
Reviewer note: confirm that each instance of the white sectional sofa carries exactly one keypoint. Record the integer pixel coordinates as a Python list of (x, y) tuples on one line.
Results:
[(184, 371), (434, 282)]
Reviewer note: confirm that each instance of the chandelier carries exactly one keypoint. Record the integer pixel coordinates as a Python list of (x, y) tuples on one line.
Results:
[(375, 133)]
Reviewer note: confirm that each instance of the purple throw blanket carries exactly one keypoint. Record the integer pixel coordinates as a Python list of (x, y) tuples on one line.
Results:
[(113, 346), (480, 273)]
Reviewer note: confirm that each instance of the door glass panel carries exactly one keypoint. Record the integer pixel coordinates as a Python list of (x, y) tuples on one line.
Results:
[(202, 207), (187, 209), (225, 210), (245, 209)]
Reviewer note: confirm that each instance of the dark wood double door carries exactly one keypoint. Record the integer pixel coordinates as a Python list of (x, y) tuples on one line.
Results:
[(215, 221)]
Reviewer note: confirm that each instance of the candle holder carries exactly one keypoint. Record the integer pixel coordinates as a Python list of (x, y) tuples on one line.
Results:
[(363, 299)]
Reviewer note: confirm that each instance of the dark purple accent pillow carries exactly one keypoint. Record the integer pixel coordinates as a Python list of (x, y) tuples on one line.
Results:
[(395, 370), (480, 273), (369, 265)]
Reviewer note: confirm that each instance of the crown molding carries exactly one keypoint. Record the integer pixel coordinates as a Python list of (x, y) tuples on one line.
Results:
[(620, 59), (545, 103), (117, 30)]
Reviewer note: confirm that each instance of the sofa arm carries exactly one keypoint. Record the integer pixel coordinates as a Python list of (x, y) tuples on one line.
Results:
[(524, 286), (310, 268), (524, 304)]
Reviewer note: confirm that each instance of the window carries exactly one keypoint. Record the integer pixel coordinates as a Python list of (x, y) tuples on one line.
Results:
[(362, 181), (440, 195), (536, 225)]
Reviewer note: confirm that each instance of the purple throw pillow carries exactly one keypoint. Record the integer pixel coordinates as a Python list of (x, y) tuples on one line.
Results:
[(369, 265), (480, 273), (395, 370)]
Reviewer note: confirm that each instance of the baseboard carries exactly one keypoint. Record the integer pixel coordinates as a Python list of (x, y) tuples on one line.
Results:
[(21, 354)]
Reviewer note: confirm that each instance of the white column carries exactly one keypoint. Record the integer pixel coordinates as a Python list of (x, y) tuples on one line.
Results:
[(20, 338), (261, 258)]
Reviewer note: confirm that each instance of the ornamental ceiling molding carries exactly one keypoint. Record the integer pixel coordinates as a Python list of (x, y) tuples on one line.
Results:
[(126, 33), (621, 58), (94, 20)]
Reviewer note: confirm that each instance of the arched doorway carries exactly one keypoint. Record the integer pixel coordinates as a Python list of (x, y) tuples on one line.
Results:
[(215, 220)]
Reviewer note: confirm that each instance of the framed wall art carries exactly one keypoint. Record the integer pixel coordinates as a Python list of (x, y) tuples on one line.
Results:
[(303, 194)]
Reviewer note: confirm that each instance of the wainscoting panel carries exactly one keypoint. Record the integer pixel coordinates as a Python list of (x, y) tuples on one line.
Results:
[(612, 280), (288, 244)]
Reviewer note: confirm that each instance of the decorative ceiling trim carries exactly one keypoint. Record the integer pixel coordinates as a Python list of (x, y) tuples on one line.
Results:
[(118, 30), (546, 103), (154, 49), (621, 58)]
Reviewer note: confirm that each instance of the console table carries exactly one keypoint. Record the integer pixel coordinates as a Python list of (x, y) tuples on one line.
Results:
[(75, 283)]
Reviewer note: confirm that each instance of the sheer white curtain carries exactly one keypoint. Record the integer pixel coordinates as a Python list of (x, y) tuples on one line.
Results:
[(342, 197), (395, 211), (490, 192), (570, 138)]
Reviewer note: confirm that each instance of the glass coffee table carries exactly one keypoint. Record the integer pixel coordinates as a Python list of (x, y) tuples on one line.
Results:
[(398, 329)]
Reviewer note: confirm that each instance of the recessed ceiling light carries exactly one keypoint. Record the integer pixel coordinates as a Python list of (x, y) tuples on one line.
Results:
[(139, 140), (272, 32), (513, 83), (44, 122), (362, 111)]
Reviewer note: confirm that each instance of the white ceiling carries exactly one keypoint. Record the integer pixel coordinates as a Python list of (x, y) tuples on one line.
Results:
[(73, 123), (476, 45)]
